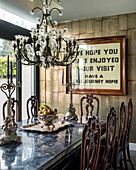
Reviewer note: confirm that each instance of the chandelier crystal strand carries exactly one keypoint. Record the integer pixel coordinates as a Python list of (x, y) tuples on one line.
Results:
[(48, 47)]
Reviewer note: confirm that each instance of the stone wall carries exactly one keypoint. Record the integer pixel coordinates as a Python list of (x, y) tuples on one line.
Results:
[(54, 94)]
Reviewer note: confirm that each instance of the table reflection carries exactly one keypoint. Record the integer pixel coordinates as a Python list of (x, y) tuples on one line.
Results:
[(68, 136), (8, 156)]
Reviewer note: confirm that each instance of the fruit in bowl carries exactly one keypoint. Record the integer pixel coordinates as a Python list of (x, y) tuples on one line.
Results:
[(47, 116)]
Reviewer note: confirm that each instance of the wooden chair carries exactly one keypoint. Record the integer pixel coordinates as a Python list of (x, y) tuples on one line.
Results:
[(32, 106), (120, 138), (107, 158), (90, 104), (126, 151), (90, 147), (14, 103)]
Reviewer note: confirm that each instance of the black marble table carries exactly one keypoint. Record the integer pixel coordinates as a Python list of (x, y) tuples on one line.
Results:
[(41, 150)]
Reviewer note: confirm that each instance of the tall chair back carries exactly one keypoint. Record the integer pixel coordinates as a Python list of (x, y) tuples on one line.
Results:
[(109, 140), (126, 150), (122, 121), (90, 147), (120, 138), (129, 117), (32, 106), (90, 100), (14, 103)]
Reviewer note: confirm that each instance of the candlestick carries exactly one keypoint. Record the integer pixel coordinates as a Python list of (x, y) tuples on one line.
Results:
[(11, 71), (78, 75), (8, 67), (8, 108), (63, 76), (10, 126), (70, 73), (19, 70), (71, 109)]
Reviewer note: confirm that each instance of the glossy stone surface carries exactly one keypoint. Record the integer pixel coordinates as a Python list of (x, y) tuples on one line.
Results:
[(37, 149)]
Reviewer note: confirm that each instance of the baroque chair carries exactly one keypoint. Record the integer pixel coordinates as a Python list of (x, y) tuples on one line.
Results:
[(120, 138), (91, 102), (32, 106), (14, 103), (107, 149), (126, 151), (90, 146)]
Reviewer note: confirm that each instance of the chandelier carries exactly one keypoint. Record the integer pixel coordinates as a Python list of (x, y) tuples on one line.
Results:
[(46, 47)]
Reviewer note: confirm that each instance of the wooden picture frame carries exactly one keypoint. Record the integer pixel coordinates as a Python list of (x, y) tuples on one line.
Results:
[(100, 66)]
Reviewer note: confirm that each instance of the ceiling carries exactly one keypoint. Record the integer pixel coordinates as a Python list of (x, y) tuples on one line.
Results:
[(73, 9)]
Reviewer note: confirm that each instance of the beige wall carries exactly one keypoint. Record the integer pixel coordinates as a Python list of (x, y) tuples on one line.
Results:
[(51, 90)]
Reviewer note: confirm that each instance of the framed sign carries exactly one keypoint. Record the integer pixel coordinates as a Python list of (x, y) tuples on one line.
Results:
[(100, 67)]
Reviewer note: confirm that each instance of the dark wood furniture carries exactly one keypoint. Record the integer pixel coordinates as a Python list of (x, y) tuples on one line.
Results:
[(32, 106), (51, 151), (91, 101), (90, 148), (120, 138), (107, 158), (14, 103), (126, 151)]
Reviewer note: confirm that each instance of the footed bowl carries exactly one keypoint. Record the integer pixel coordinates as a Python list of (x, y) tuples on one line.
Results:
[(47, 120)]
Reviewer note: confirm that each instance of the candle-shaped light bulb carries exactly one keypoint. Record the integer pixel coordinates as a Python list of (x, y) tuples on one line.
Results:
[(11, 71), (8, 67), (63, 76)]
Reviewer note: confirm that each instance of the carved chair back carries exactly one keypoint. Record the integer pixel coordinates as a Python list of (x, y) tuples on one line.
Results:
[(120, 138), (122, 120), (90, 146), (91, 101), (110, 140), (129, 116), (32, 106), (126, 150), (14, 103)]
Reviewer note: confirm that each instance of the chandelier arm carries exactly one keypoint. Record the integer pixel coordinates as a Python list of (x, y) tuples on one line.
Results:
[(23, 55), (41, 11), (42, 2), (37, 8), (50, 2), (54, 9), (51, 24), (26, 58), (43, 15), (62, 63), (73, 53)]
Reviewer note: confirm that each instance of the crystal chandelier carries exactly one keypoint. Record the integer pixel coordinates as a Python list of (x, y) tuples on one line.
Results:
[(46, 47)]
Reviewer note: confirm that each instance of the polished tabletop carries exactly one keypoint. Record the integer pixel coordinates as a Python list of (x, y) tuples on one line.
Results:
[(38, 150)]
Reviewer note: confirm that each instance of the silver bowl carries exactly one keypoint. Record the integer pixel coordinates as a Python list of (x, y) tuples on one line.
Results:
[(47, 120)]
